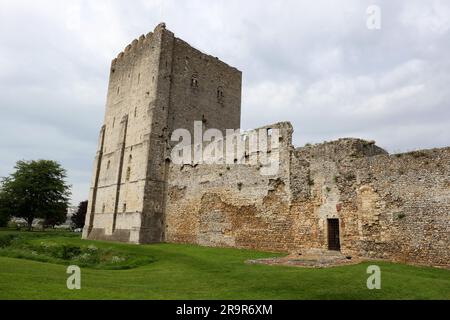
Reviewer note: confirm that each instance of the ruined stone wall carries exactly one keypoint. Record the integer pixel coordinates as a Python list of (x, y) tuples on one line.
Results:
[(232, 205), (393, 207)]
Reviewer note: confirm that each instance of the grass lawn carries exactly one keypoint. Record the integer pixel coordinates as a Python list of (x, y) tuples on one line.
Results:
[(170, 271)]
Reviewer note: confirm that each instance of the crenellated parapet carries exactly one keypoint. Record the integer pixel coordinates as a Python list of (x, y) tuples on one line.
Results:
[(139, 43)]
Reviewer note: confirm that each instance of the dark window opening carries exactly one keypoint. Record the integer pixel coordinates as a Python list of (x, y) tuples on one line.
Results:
[(194, 80), (128, 174), (220, 95)]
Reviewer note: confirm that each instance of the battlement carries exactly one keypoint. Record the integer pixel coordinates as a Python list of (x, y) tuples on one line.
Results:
[(136, 43), (139, 43), (148, 38)]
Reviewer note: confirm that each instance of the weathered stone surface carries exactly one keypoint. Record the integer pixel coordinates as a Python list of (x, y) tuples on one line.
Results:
[(151, 87), (394, 207)]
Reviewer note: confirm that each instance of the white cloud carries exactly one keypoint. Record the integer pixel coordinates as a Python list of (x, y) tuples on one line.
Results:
[(427, 18), (313, 63)]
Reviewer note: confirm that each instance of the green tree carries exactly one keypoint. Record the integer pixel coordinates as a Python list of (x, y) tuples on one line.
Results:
[(55, 216), (37, 189), (79, 216), (5, 215)]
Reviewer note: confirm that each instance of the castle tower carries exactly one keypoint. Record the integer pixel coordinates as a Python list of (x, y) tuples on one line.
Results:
[(158, 84)]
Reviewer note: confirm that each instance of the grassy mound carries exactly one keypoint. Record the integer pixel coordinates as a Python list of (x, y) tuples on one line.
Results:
[(39, 247)]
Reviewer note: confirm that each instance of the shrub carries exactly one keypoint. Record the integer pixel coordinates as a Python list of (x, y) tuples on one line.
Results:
[(19, 246), (6, 240)]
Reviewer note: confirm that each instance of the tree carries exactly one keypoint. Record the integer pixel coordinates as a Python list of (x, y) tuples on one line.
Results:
[(55, 216), (5, 214), (79, 216), (37, 189)]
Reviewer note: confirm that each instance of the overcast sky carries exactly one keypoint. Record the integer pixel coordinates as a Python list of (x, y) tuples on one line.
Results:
[(314, 63)]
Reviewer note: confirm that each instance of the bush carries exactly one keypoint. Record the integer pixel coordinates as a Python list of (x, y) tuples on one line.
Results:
[(6, 240), (25, 246), (4, 212), (68, 252)]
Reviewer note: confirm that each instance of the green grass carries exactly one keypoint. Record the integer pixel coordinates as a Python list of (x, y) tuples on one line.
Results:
[(173, 271), (52, 248)]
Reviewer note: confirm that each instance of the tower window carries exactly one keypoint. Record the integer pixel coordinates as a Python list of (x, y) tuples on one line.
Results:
[(194, 80), (124, 208), (130, 158), (103, 208), (135, 112), (128, 174), (108, 165), (220, 95)]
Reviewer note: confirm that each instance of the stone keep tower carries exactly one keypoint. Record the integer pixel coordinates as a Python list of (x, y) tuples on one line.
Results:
[(158, 84)]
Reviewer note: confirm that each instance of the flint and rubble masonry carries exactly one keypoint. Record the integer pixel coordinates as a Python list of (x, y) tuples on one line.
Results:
[(393, 207)]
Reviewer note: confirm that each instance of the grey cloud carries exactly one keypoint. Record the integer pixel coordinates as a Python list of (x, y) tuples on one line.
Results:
[(313, 63)]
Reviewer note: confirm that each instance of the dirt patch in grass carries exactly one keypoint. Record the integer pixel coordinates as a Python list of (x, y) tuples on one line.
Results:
[(309, 261)]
